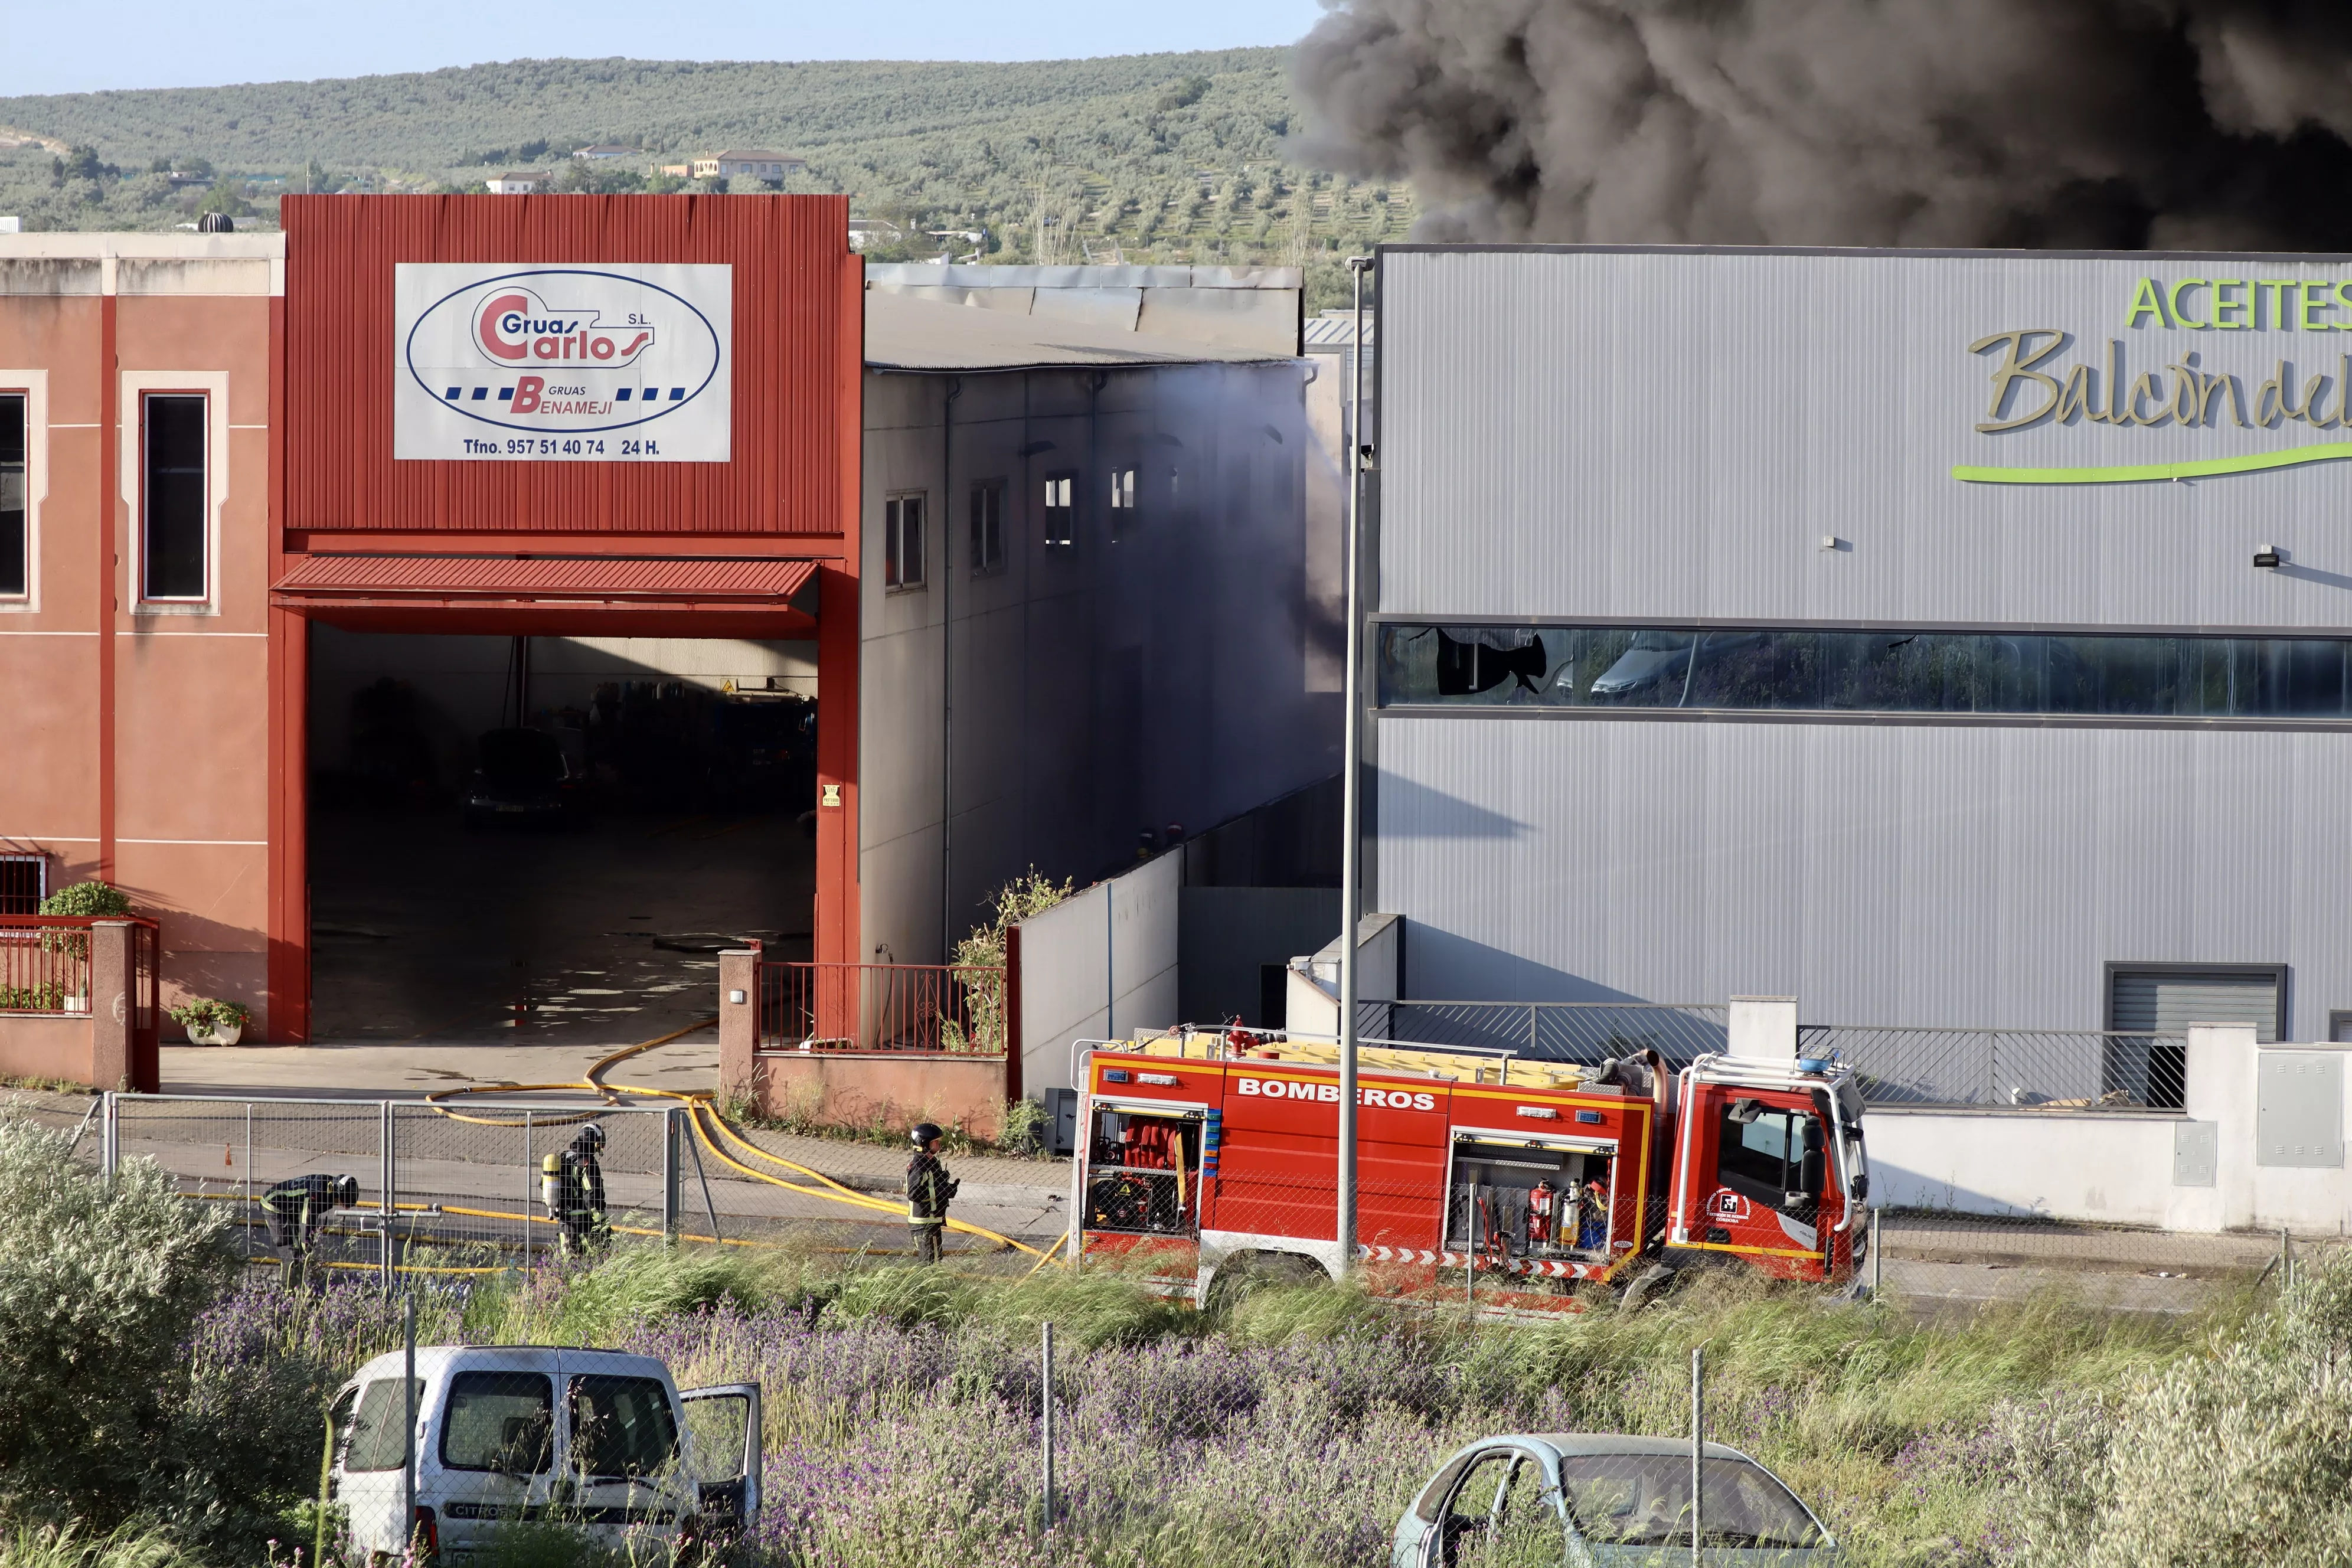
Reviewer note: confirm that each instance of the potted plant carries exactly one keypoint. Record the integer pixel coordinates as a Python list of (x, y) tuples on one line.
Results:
[(86, 899), (210, 1021)]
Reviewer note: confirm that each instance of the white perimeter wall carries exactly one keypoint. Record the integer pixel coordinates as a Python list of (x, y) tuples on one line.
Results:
[(2113, 1167), (1099, 965)]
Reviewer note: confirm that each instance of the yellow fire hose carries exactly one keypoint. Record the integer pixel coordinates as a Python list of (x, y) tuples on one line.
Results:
[(698, 1108)]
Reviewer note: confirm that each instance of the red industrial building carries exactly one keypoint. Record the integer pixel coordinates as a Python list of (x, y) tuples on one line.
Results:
[(409, 422)]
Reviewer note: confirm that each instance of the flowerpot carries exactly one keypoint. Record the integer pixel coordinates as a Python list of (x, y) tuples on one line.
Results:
[(227, 1034), (201, 1035)]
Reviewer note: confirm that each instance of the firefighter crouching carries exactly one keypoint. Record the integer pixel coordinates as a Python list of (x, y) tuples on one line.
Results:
[(928, 1188), (296, 1211), (572, 1184)]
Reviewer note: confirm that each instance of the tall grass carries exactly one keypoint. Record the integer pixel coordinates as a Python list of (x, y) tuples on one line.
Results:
[(1292, 1423)]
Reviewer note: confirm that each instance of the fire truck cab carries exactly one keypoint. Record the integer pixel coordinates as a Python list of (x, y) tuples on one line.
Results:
[(1206, 1146)]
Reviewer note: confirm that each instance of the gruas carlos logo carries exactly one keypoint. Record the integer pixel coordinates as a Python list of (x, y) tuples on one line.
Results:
[(563, 352), (515, 326)]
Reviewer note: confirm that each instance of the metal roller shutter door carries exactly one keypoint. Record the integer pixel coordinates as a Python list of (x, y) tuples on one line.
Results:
[(2171, 1000)]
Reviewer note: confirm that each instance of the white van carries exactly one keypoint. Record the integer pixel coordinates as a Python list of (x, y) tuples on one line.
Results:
[(598, 1440)]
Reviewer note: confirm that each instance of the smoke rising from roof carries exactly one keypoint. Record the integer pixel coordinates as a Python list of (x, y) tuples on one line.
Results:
[(2167, 125)]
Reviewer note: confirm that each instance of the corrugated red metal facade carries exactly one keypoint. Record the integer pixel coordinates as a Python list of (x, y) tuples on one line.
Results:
[(614, 576), (797, 352), (651, 549)]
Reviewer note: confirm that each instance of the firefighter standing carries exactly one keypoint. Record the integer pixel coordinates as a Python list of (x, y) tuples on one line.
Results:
[(573, 1186), (928, 1188)]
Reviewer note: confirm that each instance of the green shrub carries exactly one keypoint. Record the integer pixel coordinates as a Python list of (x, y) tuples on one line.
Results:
[(88, 898), (2241, 1458), (100, 1283)]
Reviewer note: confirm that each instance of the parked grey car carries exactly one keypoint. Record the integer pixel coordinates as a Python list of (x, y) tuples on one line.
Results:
[(1572, 1500)]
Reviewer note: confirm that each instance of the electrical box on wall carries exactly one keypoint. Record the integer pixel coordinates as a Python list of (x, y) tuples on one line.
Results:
[(1061, 1129), (2299, 1110), (2196, 1153)]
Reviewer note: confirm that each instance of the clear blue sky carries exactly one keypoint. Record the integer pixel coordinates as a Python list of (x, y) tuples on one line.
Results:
[(57, 48)]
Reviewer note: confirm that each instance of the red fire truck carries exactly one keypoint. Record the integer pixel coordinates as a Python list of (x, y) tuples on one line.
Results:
[(1208, 1146)]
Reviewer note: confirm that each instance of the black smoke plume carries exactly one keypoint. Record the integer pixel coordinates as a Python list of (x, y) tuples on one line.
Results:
[(2111, 124)]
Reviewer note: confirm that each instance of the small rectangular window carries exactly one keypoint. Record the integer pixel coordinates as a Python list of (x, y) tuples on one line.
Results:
[(377, 1435), (24, 883), (1061, 510), (15, 536), (902, 541), (1122, 502), (988, 525), (621, 1426), (501, 1421), (173, 498)]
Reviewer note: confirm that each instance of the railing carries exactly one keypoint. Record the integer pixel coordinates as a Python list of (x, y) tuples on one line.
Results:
[(956, 1009), (45, 964), (53, 963), (1589, 1032), (2113, 1069), (2063, 1069)]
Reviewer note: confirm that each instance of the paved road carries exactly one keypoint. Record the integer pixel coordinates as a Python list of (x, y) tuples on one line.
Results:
[(360, 1070), (1936, 1262)]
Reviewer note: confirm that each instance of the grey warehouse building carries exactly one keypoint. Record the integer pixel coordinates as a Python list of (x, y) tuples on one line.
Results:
[(1951, 639)]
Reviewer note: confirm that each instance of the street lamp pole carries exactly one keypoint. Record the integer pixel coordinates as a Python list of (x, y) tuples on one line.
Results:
[(1351, 756)]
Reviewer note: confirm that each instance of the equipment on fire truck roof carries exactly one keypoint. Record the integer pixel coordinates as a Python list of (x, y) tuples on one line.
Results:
[(1460, 1065)]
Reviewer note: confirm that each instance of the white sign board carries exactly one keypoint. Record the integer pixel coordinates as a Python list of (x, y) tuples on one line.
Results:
[(618, 363)]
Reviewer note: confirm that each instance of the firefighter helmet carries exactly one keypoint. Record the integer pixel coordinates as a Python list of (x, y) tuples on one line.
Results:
[(590, 1138), (924, 1133), (346, 1193)]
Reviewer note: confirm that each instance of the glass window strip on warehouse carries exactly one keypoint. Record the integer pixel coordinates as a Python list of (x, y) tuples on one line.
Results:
[(987, 526), (1801, 671), (16, 514), (1061, 510), (902, 540), (173, 537)]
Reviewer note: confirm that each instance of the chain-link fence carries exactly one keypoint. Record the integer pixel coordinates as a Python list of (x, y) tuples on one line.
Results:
[(346, 1184)]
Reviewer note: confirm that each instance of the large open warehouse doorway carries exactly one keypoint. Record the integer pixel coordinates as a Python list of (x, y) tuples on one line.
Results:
[(547, 839)]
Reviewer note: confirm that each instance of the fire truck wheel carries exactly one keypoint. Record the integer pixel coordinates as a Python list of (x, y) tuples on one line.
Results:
[(1650, 1283), (1243, 1272)]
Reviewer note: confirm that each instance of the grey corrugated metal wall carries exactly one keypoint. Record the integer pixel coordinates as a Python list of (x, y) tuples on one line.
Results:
[(1884, 874), (1667, 436), (1603, 433)]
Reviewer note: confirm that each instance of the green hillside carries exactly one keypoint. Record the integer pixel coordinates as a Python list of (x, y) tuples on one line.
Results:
[(1165, 157)]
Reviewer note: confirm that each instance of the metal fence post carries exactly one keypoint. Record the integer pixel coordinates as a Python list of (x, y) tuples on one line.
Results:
[(670, 1119), (1045, 1408), (530, 1186), (408, 1409), (109, 1135), (1698, 1443), (246, 1218), (391, 1180), (1877, 1259)]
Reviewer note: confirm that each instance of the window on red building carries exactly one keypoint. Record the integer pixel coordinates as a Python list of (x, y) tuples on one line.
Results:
[(174, 537), (16, 526)]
